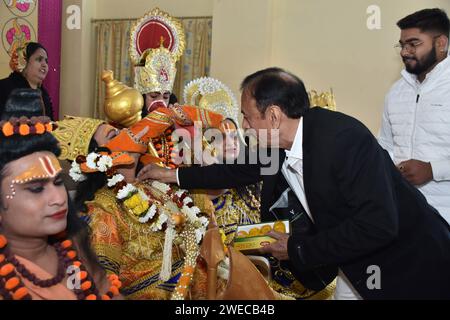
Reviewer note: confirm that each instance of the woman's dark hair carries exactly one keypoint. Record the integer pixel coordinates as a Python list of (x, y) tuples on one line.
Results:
[(31, 48), (26, 101), (427, 20), (275, 86)]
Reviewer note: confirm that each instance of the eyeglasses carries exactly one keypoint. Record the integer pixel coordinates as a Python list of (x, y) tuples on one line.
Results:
[(411, 47)]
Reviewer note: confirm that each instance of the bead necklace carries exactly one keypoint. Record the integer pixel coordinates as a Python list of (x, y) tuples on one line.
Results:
[(12, 287)]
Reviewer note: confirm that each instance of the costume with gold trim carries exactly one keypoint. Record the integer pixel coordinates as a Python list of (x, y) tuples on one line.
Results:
[(74, 135), (123, 243), (157, 42), (130, 249), (124, 246)]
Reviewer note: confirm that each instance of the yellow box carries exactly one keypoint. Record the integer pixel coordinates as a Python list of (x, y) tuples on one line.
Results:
[(251, 237)]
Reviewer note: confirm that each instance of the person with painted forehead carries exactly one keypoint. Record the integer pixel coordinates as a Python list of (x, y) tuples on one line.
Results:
[(44, 246)]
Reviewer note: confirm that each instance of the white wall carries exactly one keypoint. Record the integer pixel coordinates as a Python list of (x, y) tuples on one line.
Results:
[(328, 44), (107, 9)]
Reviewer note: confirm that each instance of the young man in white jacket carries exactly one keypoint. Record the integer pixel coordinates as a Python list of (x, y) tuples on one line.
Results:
[(416, 120)]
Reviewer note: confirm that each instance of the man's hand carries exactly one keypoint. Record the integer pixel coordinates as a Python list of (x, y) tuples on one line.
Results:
[(155, 172), (279, 248), (416, 172)]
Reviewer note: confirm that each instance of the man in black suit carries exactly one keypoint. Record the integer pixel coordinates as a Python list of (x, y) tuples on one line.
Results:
[(369, 222)]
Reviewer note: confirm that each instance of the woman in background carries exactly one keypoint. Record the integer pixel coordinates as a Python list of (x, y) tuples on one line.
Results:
[(32, 76)]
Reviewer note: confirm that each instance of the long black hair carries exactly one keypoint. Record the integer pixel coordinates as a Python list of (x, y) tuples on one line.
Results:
[(27, 102)]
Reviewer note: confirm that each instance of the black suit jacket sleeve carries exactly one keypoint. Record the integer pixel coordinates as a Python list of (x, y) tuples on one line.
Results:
[(362, 176), (219, 176)]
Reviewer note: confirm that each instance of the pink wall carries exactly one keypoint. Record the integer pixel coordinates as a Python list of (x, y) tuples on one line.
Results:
[(49, 35)]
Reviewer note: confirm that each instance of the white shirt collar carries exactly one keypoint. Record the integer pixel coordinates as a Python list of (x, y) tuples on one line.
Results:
[(296, 150)]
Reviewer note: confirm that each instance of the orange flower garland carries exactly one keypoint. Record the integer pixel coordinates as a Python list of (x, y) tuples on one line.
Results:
[(24, 126)]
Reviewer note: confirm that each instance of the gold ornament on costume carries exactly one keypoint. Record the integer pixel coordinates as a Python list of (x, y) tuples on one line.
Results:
[(146, 34), (157, 42), (211, 94), (74, 135), (158, 72), (123, 104), (325, 99)]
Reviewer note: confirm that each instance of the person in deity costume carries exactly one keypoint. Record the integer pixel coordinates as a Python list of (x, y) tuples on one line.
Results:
[(130, 222), (157, 43), (240, 205), (129, 230), (236, 206), (45, 252), (137, 228)]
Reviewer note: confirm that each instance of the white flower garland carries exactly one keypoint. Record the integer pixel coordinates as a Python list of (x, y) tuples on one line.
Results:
[(75, 172), (161, 186), (149, 215), (115, 180), (103, 163), (126, 191), (96, 162)]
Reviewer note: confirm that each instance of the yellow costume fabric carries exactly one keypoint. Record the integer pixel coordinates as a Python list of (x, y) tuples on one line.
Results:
[(237, 207), (130, 249)]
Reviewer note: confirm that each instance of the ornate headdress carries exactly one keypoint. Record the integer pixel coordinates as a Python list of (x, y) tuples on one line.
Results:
[(211, 94), (157, 42), (325, 99), (74, 135)]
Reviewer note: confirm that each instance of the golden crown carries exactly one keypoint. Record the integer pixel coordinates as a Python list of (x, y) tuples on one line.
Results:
[(158, 73), (211, 94), (325, 99), (157, 42), (74, 135)]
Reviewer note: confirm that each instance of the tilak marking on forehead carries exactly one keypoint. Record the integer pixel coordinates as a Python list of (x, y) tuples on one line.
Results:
[(47, 167)]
